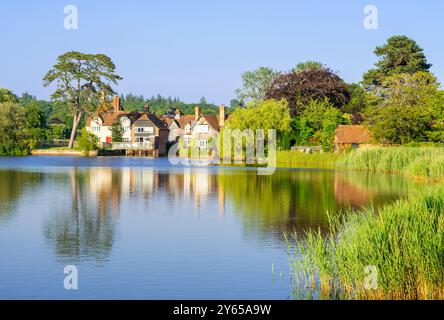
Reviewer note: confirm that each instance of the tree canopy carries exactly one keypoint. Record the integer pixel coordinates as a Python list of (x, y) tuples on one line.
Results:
[(7, 96), (405, 111), (299, 88), (255, 83), (308, 65), (82, 80), (266, 114), (400, 54)]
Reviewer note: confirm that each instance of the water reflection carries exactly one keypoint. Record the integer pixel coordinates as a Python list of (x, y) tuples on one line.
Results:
[(12, 186), (89, 202)]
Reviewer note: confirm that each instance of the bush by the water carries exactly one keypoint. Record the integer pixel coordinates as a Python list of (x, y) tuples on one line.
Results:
[(87, 141)]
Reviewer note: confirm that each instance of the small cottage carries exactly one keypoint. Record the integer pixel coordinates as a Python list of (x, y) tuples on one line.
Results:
[(351, 136)]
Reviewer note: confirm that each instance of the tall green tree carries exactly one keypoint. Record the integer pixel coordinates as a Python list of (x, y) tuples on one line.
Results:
[(400, 54), (255, 83), (405, 111), (117, 131), (81, 81)]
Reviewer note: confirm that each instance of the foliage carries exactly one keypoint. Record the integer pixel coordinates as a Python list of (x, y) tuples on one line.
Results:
[(267, 114), (255, 83), (87, 141), (6, 96), (117, 131), (422, 163), (13, 133), (399, 55), (82, 81), (308, 65), (27, 99), (405, 111), (164, 105), (319, 121), (359, 100), (299, 88), (404, 241)]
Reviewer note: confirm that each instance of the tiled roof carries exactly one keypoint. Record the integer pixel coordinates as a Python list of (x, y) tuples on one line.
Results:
[(352, 134), (155, 120), (109, 118), (183, 120), (212, 120)]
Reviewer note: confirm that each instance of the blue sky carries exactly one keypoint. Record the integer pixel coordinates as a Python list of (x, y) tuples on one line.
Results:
[(191, 49)]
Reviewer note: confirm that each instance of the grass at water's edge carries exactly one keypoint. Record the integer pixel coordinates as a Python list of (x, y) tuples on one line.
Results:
[(293, 159), (420, 163), (401, 244), (396, 252)]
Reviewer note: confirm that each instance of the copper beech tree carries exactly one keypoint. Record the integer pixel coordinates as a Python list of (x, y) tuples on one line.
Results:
[(82, 81), (300, 87)]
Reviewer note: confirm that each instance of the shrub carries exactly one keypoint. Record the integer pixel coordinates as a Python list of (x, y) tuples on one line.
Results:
[(87, 141)]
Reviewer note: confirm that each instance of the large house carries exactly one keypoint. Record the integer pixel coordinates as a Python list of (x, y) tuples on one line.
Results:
[(198, 127), (140, 129), (144, 130)]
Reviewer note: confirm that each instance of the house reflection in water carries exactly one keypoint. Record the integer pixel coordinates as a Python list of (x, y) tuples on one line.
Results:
[(109, 186), (287, 200)]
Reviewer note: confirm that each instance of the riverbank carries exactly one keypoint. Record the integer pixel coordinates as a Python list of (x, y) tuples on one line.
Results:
[(420, 163), (391, 253), (66, 152)]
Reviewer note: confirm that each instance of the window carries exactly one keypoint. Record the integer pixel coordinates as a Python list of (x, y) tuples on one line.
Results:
[(150, 130), (203, 128), (139, 130), (126, 140), (202, 143)]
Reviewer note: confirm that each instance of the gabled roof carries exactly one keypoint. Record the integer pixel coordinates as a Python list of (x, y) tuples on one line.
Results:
[(155, 120), (184, 120), (212, 120), (347, 134), (108, 118)]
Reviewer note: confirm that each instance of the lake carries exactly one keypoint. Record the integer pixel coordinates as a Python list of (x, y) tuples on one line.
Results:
[(139, 228)]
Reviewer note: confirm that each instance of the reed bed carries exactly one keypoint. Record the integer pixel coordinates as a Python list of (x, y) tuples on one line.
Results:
[(403, 242), (295, 159), (421, 163)]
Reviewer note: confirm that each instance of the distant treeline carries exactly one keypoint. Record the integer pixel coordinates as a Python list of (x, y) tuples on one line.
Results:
[(160, 105)]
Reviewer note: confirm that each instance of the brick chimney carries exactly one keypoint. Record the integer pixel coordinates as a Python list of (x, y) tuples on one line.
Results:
[(221, 115), (197, 112), (116, 104)]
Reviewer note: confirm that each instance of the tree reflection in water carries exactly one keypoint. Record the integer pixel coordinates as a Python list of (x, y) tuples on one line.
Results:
[(267, 205)]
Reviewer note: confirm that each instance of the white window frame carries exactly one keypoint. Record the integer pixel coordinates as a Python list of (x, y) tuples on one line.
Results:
[(202, 143)]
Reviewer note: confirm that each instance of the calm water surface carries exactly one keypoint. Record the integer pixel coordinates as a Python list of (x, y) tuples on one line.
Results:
[(144, 229)]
